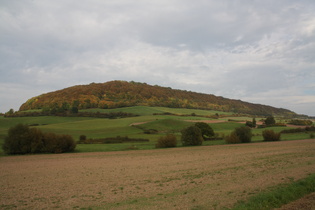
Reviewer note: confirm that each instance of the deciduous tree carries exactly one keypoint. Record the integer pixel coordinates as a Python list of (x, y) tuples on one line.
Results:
[(191, 136), (206, 130), (270, 120)]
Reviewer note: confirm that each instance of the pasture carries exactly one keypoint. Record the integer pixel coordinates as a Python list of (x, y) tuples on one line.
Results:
[(164, 120), (207, 177)]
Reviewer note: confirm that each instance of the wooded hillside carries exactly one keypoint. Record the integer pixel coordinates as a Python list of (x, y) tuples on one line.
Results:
[(116, 94)]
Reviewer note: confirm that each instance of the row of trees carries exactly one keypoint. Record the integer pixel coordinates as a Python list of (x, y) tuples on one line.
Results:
[(244, 135), (196, 134), (301, 122), (191, 136), (69, 113), (51, 109), (269, 121)]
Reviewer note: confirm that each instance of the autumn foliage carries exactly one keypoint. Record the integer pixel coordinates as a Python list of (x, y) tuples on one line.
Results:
[(117, 94)]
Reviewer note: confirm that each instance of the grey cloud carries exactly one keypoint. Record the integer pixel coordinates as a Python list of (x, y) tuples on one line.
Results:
[(212, 24), (227, 48)]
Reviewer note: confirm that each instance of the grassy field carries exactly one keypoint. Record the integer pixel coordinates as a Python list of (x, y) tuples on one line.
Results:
[(152, 117)]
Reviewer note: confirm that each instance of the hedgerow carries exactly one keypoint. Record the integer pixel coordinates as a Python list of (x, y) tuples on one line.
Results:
[(232, 139), (270, 135), (239, 135), (299, 130), (109, 140), (22, 139)]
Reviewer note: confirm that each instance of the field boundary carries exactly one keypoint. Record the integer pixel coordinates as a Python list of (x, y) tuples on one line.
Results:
[(280, 195)]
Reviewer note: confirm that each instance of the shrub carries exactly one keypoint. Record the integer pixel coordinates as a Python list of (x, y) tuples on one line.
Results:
[(21, 140), (150, 131), (244, 133), (54, 143), (67, 143), (301, 122), (49, 143), (82, 138), (239, 135), (270, 120), (270, 135), (232, 138), (299, 130), (254, 122), (37, 143), (191, 136), (18, 140), (206, 130), (249, 124), (310, 128), (112, 140), (58, 143), (167, 141)]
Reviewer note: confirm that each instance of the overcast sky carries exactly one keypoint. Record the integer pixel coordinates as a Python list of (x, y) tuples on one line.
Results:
[(257, 51)]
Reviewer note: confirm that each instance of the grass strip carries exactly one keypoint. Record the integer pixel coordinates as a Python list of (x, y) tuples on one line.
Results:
[(278, 196)]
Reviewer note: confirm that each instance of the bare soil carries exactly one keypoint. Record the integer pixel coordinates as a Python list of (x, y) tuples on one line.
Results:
[(297, 126), (208, 177), (138, 123)]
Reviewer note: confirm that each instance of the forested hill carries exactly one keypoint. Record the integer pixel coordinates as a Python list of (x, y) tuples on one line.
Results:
[(116, 94)]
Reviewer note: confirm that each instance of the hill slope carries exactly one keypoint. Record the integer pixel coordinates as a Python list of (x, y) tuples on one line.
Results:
[(116, 94)]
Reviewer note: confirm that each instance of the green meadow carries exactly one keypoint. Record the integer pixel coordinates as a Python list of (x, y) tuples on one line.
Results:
[(161, 119)]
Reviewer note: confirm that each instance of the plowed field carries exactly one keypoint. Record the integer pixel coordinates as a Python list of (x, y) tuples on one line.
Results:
[(181, 178)]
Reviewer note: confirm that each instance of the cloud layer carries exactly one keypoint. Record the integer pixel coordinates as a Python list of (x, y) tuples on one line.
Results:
[(257, 51)]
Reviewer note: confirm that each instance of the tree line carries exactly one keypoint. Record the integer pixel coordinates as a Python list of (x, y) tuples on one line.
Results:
[(63, 111)]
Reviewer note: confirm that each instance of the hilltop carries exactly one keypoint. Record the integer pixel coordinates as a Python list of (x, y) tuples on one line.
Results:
[(115, 94)]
